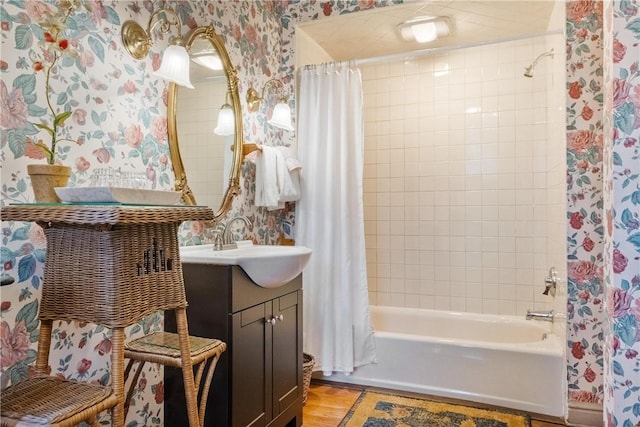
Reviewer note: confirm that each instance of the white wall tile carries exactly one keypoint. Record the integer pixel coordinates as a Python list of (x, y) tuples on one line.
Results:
[(463, 174)]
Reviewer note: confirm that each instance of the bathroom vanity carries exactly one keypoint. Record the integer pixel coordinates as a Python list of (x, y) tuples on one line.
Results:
[(258, 380)]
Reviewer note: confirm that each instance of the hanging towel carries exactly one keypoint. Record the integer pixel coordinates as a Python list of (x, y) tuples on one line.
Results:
[(292, 163), (267, 188), (290, 190), (277, 178)]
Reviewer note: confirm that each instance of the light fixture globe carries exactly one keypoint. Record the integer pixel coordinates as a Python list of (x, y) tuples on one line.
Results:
[(281, 117), (175, 66), (226, 121), (425, 29), (425, 32)]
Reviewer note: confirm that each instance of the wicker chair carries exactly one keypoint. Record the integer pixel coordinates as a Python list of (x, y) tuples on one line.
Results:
[(166, 348), (51, 401), (106, 265)]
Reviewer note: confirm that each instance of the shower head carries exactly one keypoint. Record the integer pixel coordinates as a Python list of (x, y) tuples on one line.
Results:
[(528, 71)]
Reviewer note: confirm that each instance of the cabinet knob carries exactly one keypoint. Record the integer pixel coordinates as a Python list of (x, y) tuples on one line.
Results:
[(274, 319)]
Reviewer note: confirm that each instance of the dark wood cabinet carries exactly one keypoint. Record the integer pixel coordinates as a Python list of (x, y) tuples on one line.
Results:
[(258, 380)]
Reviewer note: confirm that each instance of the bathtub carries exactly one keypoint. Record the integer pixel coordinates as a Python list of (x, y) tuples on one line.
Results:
[(498, 360)]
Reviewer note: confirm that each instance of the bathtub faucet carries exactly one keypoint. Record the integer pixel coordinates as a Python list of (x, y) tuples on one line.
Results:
[(547, 316)]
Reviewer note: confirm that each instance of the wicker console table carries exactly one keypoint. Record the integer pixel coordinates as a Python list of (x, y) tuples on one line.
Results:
[(109, 265)]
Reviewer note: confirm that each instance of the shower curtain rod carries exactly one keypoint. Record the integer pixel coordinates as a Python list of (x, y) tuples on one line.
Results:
[(425, 52)]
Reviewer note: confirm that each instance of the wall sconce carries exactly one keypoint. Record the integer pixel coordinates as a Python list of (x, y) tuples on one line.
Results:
[(175, 61), (226, 120), (425, 29), (281, 116)]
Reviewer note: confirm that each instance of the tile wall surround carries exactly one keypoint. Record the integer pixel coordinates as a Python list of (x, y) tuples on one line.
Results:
[(556, 166), (459, 153)]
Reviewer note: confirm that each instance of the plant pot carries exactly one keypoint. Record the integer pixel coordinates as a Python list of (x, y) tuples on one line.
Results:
[(44, 178)]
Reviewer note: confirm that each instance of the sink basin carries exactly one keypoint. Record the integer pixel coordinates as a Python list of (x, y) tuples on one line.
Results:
[(268, 266)]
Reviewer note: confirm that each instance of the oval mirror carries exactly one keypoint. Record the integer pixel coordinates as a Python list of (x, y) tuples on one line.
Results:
[(203, 148)]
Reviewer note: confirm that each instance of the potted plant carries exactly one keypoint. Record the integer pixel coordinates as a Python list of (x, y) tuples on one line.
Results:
[(45, 177)]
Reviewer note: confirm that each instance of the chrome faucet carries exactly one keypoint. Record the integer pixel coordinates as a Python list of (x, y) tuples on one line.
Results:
[(547, 316), (551, 283), (217, 243), (217, 232), (227, 238)]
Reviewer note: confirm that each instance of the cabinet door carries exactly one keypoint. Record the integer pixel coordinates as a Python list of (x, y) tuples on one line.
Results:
[(251, 371), (287, 351)]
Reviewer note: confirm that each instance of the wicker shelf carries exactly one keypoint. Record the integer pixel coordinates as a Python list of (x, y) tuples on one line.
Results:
[(104, 214)]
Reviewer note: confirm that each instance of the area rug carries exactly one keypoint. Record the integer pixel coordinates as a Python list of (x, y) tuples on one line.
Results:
[(383, 410)]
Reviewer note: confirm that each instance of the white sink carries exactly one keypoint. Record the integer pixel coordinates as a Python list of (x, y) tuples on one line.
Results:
[(268, 266)]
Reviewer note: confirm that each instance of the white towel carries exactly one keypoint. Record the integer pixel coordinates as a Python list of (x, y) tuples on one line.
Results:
[(290, 191), (292, 162), (267, 188), (275, 182)]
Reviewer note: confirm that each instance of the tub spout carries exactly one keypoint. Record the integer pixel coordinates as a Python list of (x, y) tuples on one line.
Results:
[(547, 316)]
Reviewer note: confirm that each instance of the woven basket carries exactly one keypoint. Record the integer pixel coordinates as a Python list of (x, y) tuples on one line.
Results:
[(307, 369), (109, 265), (112, 277)]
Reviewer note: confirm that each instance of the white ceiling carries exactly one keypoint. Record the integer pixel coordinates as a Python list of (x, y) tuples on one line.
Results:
[(373, 33)]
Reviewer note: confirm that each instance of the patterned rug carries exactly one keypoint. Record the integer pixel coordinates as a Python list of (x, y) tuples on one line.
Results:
[(384, 410)]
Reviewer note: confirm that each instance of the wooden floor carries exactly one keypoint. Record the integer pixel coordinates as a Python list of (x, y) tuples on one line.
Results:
[(327, 405)]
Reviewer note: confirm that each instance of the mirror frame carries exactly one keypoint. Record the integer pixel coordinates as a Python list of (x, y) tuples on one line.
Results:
[(181, 183)]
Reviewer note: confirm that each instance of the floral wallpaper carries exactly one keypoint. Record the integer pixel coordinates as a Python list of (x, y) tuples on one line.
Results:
[(107, 111), (117, 119), (603, 171), (584, 196), (622, 213)]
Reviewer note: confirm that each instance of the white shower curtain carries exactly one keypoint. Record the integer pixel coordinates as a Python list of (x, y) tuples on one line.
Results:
[(330, 220)]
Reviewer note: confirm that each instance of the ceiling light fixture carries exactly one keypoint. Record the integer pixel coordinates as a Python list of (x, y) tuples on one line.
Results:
[(425, 29)]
